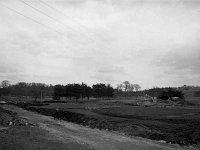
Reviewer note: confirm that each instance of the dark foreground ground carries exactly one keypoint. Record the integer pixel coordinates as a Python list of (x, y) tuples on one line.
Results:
[(23, 135), (33, 131), (170, 124)]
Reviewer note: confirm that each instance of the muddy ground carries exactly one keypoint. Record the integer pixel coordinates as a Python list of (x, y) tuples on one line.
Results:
[(174, 125), (49, 133), (18, 133)]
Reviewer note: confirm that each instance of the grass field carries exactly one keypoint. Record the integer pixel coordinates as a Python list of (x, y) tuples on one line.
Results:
[(154, 112)]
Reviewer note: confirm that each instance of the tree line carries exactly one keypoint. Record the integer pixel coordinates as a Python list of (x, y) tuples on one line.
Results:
[(75, 90), (23, 89), (81, 91), (40, 90), (78, 91)]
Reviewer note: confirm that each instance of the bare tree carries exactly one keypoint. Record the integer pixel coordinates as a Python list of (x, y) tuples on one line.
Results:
[(126, 85), (132, 87), (120, 87), (5, 84), (137, 87)]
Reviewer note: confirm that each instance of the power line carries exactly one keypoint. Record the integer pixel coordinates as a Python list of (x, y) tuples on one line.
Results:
[(53, 8), (29, 18), (23, 15), (88, 36), (38, 10), (49, 6)]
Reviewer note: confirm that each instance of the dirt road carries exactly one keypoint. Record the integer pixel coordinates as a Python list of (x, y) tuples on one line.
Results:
[(67, 132)]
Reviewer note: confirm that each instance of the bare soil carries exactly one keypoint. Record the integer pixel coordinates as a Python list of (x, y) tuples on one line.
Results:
[(175, 125), (49, 133), (23, 134)]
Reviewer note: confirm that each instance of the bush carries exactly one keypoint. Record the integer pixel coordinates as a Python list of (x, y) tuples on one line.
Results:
[(197, 94), (169, 94)]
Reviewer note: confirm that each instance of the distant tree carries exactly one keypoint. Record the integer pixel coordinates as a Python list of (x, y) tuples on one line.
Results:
[(99, 90), (34, 90), (21, 89), (197, 93), (119, 91), (120, 87), (77, 91), (131, 88), (137, 87), (126, 85), (4, 91), (155, 91), (69, 90), (102, 90), (109, 90), (83, 90), (48, 90), (127, 89), (88, 92), (37, 90), (5, 84), (170, 93), (59, 91)]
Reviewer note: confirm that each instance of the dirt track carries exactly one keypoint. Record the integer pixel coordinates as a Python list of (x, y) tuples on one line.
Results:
[(66, 132)]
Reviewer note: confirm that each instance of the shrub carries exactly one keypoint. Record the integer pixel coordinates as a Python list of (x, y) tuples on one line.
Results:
[(170, 93)]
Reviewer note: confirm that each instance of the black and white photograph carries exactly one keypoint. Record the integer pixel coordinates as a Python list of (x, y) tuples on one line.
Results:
[(99, 74)]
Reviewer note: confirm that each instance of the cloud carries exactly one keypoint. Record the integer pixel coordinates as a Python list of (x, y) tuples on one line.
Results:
[(108, 74), (146, 42), (179, 67), (185, 60), (111, 70), (103, 78)]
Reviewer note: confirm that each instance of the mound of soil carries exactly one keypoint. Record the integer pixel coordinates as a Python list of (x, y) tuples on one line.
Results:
[(6, 116)]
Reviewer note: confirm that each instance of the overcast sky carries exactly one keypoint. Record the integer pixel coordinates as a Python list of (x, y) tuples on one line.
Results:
[(149, 42)]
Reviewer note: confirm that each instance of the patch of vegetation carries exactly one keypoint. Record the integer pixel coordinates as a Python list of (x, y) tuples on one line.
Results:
[(6, 116), (170, 93), (197, 93)]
